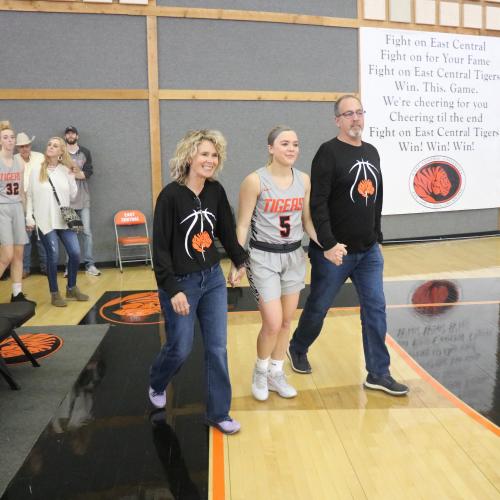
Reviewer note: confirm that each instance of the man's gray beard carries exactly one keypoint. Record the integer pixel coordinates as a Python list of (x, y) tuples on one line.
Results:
[(355, 134)]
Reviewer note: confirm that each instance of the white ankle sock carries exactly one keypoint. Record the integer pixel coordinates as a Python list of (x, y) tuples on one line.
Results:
[(262, 364), (275, 366), (17, 288)]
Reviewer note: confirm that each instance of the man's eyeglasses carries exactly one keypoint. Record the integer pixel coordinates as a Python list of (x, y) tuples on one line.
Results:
[(349, 114)]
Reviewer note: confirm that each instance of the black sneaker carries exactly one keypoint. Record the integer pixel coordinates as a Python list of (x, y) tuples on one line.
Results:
[(20, 297), (386, 384), (299, 362)]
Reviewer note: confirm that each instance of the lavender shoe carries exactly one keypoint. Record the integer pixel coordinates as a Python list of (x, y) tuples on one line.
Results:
[(227, 426)]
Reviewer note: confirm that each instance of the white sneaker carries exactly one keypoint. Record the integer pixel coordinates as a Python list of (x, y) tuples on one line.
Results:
[(66, 273), (259, 385), (92, 270), (278, 383), (158, 399)]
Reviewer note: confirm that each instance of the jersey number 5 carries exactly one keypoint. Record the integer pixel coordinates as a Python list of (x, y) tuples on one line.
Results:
[(285, 225)]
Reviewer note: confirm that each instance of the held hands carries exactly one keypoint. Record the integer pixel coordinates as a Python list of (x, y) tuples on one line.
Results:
[(180, 304), (234, 276), (336, 254)]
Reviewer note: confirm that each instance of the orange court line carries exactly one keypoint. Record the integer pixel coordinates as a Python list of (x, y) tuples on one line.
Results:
[(218, 490), (457, 402)]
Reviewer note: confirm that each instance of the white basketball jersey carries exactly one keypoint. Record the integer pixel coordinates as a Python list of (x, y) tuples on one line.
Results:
[(277, 217)]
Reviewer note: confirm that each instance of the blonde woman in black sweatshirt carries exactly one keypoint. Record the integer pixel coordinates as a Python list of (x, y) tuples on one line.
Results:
[(190, 213)]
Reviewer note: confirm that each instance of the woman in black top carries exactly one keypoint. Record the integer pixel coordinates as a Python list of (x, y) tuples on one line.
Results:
[(190, 212)]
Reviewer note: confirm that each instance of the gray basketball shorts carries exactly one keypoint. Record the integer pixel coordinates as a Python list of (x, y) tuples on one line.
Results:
[(12, 224), (272, 275)]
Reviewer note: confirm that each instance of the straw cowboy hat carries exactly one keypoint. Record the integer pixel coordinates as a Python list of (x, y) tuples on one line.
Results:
[(22, 139)]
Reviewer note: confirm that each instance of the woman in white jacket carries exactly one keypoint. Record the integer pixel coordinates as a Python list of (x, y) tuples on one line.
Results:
[(43, 212)]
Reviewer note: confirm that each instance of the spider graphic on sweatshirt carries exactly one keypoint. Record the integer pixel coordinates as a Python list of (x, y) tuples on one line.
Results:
[(366, 172), (203, 239)]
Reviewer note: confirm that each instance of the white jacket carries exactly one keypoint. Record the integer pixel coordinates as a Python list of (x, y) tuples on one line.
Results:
[(42, 209)]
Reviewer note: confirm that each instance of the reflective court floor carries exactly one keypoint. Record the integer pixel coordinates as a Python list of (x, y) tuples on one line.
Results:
[(335, 440)]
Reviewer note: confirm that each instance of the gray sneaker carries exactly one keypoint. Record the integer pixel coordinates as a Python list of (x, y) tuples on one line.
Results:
[(386, 384), (298, 361), (278, 383), (259, 385), (93, 271)]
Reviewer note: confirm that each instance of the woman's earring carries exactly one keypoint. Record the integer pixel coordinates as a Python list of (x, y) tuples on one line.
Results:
[(60, 158)]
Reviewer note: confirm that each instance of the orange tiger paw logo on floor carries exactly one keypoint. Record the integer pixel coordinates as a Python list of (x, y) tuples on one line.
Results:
[(365, 188), (39, 344), (201, 241), (139, 308)]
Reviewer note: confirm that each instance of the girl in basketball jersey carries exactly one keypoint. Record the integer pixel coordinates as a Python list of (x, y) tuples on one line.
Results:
[(12, 228), (274, 208)]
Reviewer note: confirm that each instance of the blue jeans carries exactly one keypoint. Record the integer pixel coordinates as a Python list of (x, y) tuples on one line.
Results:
[(70, 241), (207, 296), (365, 270), (86, 236), (27, 252)]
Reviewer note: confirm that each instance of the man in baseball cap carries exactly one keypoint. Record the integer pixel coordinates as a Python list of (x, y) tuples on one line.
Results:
[(83, 160)]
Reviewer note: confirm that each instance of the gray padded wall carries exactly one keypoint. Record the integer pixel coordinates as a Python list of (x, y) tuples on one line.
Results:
[(332, 8), (245, 126), (117, 134), (439, 223), (72, 51), (256, 56), (85, 51)]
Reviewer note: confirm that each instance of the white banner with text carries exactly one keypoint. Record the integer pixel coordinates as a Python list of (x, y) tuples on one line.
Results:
[(433, 112)]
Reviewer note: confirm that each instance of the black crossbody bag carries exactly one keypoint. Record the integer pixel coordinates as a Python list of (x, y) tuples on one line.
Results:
[(69, 214)]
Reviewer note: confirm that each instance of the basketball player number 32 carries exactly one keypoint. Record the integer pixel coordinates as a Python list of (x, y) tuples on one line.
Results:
[(12, 188), (284, 225)]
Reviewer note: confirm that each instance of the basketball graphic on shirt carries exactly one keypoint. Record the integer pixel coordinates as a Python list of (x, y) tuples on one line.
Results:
[(365, 181), (365, 188), (201, 241)]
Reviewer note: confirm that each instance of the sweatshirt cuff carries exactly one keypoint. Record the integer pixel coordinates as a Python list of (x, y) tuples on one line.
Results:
[(328, 243), (240, 259), (170, 286)]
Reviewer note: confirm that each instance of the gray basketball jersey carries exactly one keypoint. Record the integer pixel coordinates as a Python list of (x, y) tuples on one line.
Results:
[(277, 217), (10, 182)]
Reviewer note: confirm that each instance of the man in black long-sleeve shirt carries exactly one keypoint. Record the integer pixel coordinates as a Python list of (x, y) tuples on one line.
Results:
[(346, 207)]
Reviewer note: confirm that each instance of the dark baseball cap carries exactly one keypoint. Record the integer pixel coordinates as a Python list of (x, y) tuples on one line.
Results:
[(71, 129)]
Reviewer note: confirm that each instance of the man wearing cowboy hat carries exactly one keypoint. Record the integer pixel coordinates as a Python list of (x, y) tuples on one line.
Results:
[(30, 159)]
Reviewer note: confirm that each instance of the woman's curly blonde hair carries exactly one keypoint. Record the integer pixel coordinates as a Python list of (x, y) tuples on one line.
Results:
[(187, 148)]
